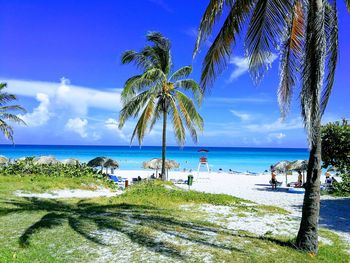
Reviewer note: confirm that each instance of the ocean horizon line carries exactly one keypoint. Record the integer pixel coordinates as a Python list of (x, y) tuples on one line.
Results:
[(145, 146)]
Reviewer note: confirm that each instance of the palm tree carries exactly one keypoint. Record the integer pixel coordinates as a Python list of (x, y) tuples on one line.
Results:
[(158, 92), (306, 35), (5, 115)]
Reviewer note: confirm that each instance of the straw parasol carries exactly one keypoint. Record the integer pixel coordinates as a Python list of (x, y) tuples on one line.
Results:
[(298, 165), (45, 160), (110, 163), (3, 160), (281, 167), (97, 162), (71, 161), (156, 164)]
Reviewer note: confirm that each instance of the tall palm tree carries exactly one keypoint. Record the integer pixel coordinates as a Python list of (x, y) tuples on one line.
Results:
[(5, 112), (305, 33), (158, 92)]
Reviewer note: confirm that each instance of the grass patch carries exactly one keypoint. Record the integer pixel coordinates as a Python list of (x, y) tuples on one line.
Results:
[(146, 223)]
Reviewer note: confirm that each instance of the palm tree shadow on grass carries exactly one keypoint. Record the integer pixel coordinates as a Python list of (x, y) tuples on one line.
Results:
[(84, 218)]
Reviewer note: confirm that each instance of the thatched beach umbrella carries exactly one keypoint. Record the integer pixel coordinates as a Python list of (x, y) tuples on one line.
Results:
[(156, 164), (46, 160), (71, 161), (298, 165), (110, 163), (3, 160), (97, 162), (281, 167)]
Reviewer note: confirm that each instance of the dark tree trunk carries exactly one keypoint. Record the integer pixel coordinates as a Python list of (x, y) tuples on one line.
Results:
[(164, 146), (307, 238)]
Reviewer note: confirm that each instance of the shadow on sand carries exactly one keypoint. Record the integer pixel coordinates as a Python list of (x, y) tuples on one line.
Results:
[(84, 218)]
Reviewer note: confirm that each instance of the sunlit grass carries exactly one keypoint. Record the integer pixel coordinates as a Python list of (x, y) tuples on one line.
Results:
[(147, 223)]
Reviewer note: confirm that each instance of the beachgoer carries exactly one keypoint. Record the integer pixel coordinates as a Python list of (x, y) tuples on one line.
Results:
[(273, 178), (328, 178), (139, 178), (300, 179), (152, 176)]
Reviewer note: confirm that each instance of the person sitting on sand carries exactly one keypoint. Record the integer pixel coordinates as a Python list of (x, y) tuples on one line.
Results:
[(273, 178)]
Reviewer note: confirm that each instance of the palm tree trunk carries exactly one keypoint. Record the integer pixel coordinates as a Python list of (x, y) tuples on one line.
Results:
[(164, 145), (307, 238)]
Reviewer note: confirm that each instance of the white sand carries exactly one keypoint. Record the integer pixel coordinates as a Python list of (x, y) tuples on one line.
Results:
[(334, 214)]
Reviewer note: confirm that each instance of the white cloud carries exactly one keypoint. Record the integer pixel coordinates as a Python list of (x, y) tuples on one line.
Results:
[(278, 136), (278, 125), (40, 115), (70, 97), (242, 65), (78, 126), (112, 125), (241, 115)]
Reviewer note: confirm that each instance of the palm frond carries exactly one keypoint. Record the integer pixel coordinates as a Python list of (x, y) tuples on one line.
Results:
[(348, 5), (181, 73), (219, 52), (12, 108), (143, 121), (156, 115), (133, 107), (191, 118), (138, 59), (6, 130), (11, 117), (188, 106), (313, 69), (178, 127), (291, 57), (331, 31), (192, 85), (211, 15), (264, 31), (162, 49)]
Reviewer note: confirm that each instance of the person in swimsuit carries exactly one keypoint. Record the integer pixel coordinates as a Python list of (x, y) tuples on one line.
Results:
[(273, 178)]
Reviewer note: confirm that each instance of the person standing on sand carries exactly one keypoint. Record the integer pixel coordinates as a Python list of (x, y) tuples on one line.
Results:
[(273, 178)]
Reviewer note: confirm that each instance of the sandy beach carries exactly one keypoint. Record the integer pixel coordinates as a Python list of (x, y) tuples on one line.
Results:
[(256, 188)]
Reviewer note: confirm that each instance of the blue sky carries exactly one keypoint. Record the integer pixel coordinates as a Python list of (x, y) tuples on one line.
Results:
[(62, 59)]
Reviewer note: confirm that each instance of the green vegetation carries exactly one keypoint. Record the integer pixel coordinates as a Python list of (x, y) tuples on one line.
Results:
[(27, 167), (151, 222), (159, 92), (336, 153), (5, 112)]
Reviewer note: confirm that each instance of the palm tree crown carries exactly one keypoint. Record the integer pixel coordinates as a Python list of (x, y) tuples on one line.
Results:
[(159, 90), (5, 114)]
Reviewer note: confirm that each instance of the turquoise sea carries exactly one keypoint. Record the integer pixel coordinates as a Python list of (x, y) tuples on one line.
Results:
[(129, 158)]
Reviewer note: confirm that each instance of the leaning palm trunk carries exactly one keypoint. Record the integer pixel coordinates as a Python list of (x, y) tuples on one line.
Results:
[(164, 145), (307, 238)]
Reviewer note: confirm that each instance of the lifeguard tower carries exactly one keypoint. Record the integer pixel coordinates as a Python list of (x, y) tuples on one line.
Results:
[(203, 161)]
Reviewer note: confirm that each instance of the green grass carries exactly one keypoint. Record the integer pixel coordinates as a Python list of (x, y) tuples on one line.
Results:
[(147, 223)]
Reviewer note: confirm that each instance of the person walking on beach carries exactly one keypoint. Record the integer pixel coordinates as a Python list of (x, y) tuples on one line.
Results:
[(273, 178)]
